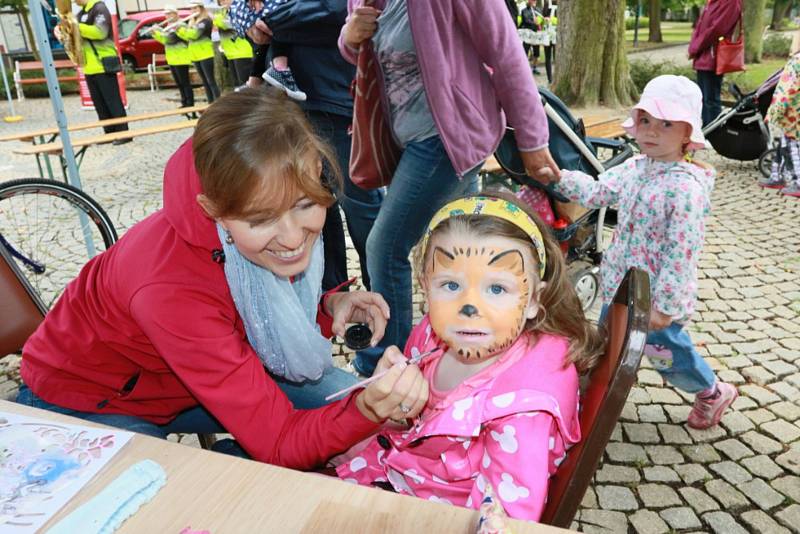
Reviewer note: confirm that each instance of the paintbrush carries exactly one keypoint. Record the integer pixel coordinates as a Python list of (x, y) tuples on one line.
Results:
[(413, 360)]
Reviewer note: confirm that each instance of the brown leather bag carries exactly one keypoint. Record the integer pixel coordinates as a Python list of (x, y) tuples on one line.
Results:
[(374, 154), (729, 53)]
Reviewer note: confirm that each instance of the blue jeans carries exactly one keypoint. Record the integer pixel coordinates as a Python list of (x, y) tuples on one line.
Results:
[(689, 371), (423, 182), (360, 207), (198, 420), (711, 86)]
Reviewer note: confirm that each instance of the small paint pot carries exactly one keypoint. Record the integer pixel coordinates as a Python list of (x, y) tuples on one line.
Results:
[(358, 337)]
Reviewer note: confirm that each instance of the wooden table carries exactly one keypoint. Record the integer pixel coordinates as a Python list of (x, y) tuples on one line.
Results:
[(47, 136), (82, 144), (223, 494), (32, 137)]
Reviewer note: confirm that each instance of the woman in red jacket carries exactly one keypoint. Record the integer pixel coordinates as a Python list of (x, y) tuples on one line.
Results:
[(170, 329)]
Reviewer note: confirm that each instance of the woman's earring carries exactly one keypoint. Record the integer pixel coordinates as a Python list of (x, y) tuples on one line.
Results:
[(228, 237)]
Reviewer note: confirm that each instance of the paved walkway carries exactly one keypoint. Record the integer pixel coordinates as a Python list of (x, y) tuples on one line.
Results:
[(657, 474)]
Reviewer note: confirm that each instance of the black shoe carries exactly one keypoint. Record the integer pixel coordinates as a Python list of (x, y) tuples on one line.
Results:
[(536, 71), (122, 141)]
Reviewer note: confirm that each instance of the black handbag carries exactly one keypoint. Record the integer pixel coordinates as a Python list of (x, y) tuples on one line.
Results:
[(111, 64)]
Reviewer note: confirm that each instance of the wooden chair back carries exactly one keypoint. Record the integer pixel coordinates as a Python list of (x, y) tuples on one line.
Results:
[(21, 309), (602, 402)]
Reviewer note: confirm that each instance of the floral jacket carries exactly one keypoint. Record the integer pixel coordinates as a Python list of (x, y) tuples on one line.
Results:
[(509, 426), (784, 111), (660, 225)]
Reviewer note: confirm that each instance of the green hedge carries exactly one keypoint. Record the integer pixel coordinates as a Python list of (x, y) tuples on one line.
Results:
[(630, 22), (776, 45), (644, 70)]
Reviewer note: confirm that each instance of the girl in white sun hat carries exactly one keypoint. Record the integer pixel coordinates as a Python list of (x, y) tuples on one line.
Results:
[(662, 198)]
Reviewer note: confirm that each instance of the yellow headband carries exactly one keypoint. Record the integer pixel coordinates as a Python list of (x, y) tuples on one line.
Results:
[(497, 207)]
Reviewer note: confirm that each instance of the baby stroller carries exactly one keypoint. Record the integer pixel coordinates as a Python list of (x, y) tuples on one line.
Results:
[(740, 132), (579, 231)]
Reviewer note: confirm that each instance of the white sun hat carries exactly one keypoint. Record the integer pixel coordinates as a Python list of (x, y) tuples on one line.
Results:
[(672, 98)]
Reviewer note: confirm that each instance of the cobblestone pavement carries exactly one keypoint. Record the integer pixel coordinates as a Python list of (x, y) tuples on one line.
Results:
[(657, 475)]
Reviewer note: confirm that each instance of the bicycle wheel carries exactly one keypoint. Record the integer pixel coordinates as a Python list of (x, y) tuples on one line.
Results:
[(44, 224)]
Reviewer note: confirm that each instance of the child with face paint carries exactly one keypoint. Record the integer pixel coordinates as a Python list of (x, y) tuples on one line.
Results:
[(510, 339)]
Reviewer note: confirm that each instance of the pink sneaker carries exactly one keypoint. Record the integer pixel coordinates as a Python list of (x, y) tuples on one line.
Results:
[(707, 412)]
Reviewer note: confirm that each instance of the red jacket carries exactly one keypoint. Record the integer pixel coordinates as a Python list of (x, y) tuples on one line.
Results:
[(149, 329), (718, 19)]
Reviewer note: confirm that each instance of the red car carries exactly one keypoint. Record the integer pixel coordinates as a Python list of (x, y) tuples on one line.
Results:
[(136, 48)]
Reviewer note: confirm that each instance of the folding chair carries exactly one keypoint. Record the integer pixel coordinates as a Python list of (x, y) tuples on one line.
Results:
[(604, 397), (21, 309)]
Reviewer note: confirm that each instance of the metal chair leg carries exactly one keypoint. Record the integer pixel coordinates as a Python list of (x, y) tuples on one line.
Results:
[(207, 440)]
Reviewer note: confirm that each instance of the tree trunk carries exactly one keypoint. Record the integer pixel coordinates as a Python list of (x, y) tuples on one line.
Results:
[(779, 12), (655, 22), (753, 29), (592, 65)]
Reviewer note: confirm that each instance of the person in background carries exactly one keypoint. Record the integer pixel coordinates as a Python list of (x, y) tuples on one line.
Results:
[(718, 19), (448, 113), (198, 34), (309, 30), (94, 23), (784, 115), (237, 50), (177, 54), (663, 196), (549, 25), (532, 20)]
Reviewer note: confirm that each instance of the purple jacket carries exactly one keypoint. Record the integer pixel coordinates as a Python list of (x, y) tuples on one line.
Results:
[(473, 70), (717, 20)]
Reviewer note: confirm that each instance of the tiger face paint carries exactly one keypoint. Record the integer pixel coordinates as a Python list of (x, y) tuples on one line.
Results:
[(480, 292)]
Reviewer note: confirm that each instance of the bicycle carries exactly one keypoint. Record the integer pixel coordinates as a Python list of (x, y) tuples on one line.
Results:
[(44, 225)]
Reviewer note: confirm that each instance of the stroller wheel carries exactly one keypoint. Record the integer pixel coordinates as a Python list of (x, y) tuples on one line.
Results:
[(585, 280), (765, 161)]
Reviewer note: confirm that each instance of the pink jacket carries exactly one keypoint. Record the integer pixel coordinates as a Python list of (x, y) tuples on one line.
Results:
[(717, 20), (510, 426), (475, 76)]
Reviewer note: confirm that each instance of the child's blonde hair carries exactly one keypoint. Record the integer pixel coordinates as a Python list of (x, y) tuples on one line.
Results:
[(560, 309)]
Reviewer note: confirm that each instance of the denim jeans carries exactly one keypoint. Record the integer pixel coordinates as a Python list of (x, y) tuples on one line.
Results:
[(423, 182), (711, 86), (360, 207), (198, 420), (689, 371)]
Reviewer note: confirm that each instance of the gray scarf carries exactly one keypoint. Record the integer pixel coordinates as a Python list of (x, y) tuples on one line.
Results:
[(280, 316)]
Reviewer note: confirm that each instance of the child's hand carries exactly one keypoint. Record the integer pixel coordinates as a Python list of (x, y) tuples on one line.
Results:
[(259, 32), (256, 5), (400, 394), (659, 321), (540, 166), (361, 25)]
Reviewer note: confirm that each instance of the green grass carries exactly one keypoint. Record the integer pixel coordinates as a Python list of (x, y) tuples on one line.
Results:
[(755, 74), (671, 32)]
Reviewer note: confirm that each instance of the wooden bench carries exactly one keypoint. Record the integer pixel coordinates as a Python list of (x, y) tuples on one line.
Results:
[(81, 145), (607, 129), (22, 66), (48, 135), (595, 125)]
